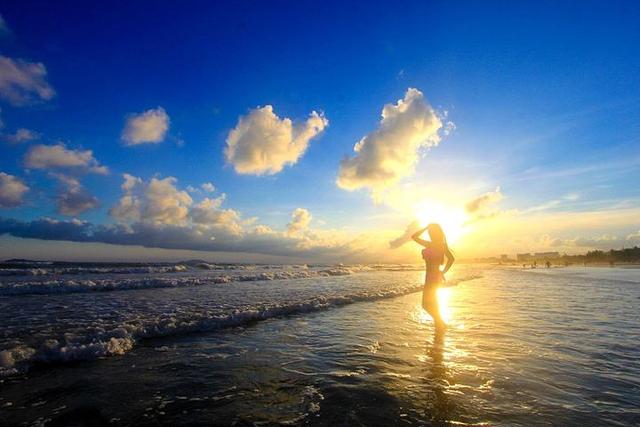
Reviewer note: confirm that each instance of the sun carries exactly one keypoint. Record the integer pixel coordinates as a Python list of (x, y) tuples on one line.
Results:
[(451, 219)]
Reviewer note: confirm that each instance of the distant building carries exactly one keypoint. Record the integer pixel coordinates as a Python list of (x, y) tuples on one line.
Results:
[(504, 257), (524, 257), (547, 255)]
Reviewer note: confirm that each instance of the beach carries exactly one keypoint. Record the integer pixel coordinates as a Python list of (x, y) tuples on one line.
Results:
[(523, 348)]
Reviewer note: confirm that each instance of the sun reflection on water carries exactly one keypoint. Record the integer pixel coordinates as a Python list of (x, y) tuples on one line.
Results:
[(446, 312)]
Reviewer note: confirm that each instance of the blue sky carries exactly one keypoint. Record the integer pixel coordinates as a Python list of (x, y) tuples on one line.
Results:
[(544, 97)]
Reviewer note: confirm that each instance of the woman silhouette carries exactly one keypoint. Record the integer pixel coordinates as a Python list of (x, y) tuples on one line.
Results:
[(433, 254)]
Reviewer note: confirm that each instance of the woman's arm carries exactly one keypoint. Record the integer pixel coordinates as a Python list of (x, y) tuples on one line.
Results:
[(418, 240), (450, 260)]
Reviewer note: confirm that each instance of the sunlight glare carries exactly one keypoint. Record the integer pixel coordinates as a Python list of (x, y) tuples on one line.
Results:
[(443, 303), (451, 219)]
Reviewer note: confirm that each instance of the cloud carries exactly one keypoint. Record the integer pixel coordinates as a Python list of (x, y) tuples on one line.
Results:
[(60, 157), (23, 82), (209, 214), (262, 143), (73, 199), (130, 182), (4, 28), (157, 202), (406, 236), (12, 189), (262, 230), (606, 241), (47, 229), (149, 127), (603, 242), (300, 220), (482, 202), (160, 202), (548, 241), (634, 236), (390, 152), (208, 187), (157, 214), (21, 135), (261, 240), (128, 209), (482, 206)]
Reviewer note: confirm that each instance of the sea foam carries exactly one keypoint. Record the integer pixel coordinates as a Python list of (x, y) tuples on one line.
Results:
[(121, 338)]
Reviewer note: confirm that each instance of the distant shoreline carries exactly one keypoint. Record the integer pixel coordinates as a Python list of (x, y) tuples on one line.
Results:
[(541, 266)]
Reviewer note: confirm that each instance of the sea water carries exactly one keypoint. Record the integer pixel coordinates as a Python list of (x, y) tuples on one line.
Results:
[(197, 343)]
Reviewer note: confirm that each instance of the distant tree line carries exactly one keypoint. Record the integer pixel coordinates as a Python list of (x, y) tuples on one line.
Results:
[(611, 256)]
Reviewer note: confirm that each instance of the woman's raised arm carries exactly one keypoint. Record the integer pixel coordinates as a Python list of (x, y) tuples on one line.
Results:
[(416, 237)]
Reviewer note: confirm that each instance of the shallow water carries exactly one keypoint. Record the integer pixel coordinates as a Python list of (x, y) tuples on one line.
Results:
[(544, 347)]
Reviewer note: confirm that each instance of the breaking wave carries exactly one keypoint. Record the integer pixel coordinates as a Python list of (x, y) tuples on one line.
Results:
[(66, 285), (122, 338)]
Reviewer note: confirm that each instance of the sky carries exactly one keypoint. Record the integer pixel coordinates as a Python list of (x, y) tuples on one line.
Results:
[(317, 132)]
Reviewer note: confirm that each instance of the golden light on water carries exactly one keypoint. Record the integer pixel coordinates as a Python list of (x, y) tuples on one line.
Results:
[(444, 295), (452, 219), (443, 302)]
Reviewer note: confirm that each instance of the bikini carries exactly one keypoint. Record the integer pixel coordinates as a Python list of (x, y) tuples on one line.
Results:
[(434, 260)]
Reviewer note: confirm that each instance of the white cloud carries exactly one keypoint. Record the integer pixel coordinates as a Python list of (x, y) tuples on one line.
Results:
[(390, 153), (23, 82), (483, 201), (406, 236), (149, 127), (128, 209), (158, 214), (300, 220), (634, 236), (208, 213), (329, 246), (208, 187), (12, 189), (21, 135), (58, 157), (262, 143), (73, 199), (263, 230), (482, 206), (158, 202), (602, 242), (130, 181), (548, 241)]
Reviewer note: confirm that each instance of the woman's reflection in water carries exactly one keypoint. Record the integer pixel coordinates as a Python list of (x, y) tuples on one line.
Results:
[(441, 407)]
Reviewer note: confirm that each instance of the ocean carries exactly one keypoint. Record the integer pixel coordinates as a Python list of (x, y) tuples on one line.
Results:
[(196, 343)]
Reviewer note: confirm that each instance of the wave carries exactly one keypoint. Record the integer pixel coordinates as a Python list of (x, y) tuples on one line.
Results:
[(39, 271), (67, 286), (122, 338), (62, 269), (399, 267), (58, 269)]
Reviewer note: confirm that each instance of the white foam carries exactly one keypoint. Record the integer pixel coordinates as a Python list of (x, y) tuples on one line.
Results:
[(57, 271), (66, 285), (122, 338)]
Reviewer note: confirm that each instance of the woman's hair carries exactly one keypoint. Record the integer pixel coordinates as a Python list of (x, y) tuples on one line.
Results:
[(437, 236)]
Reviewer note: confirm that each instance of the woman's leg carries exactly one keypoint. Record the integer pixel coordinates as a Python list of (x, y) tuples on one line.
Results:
[(430, 305)]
